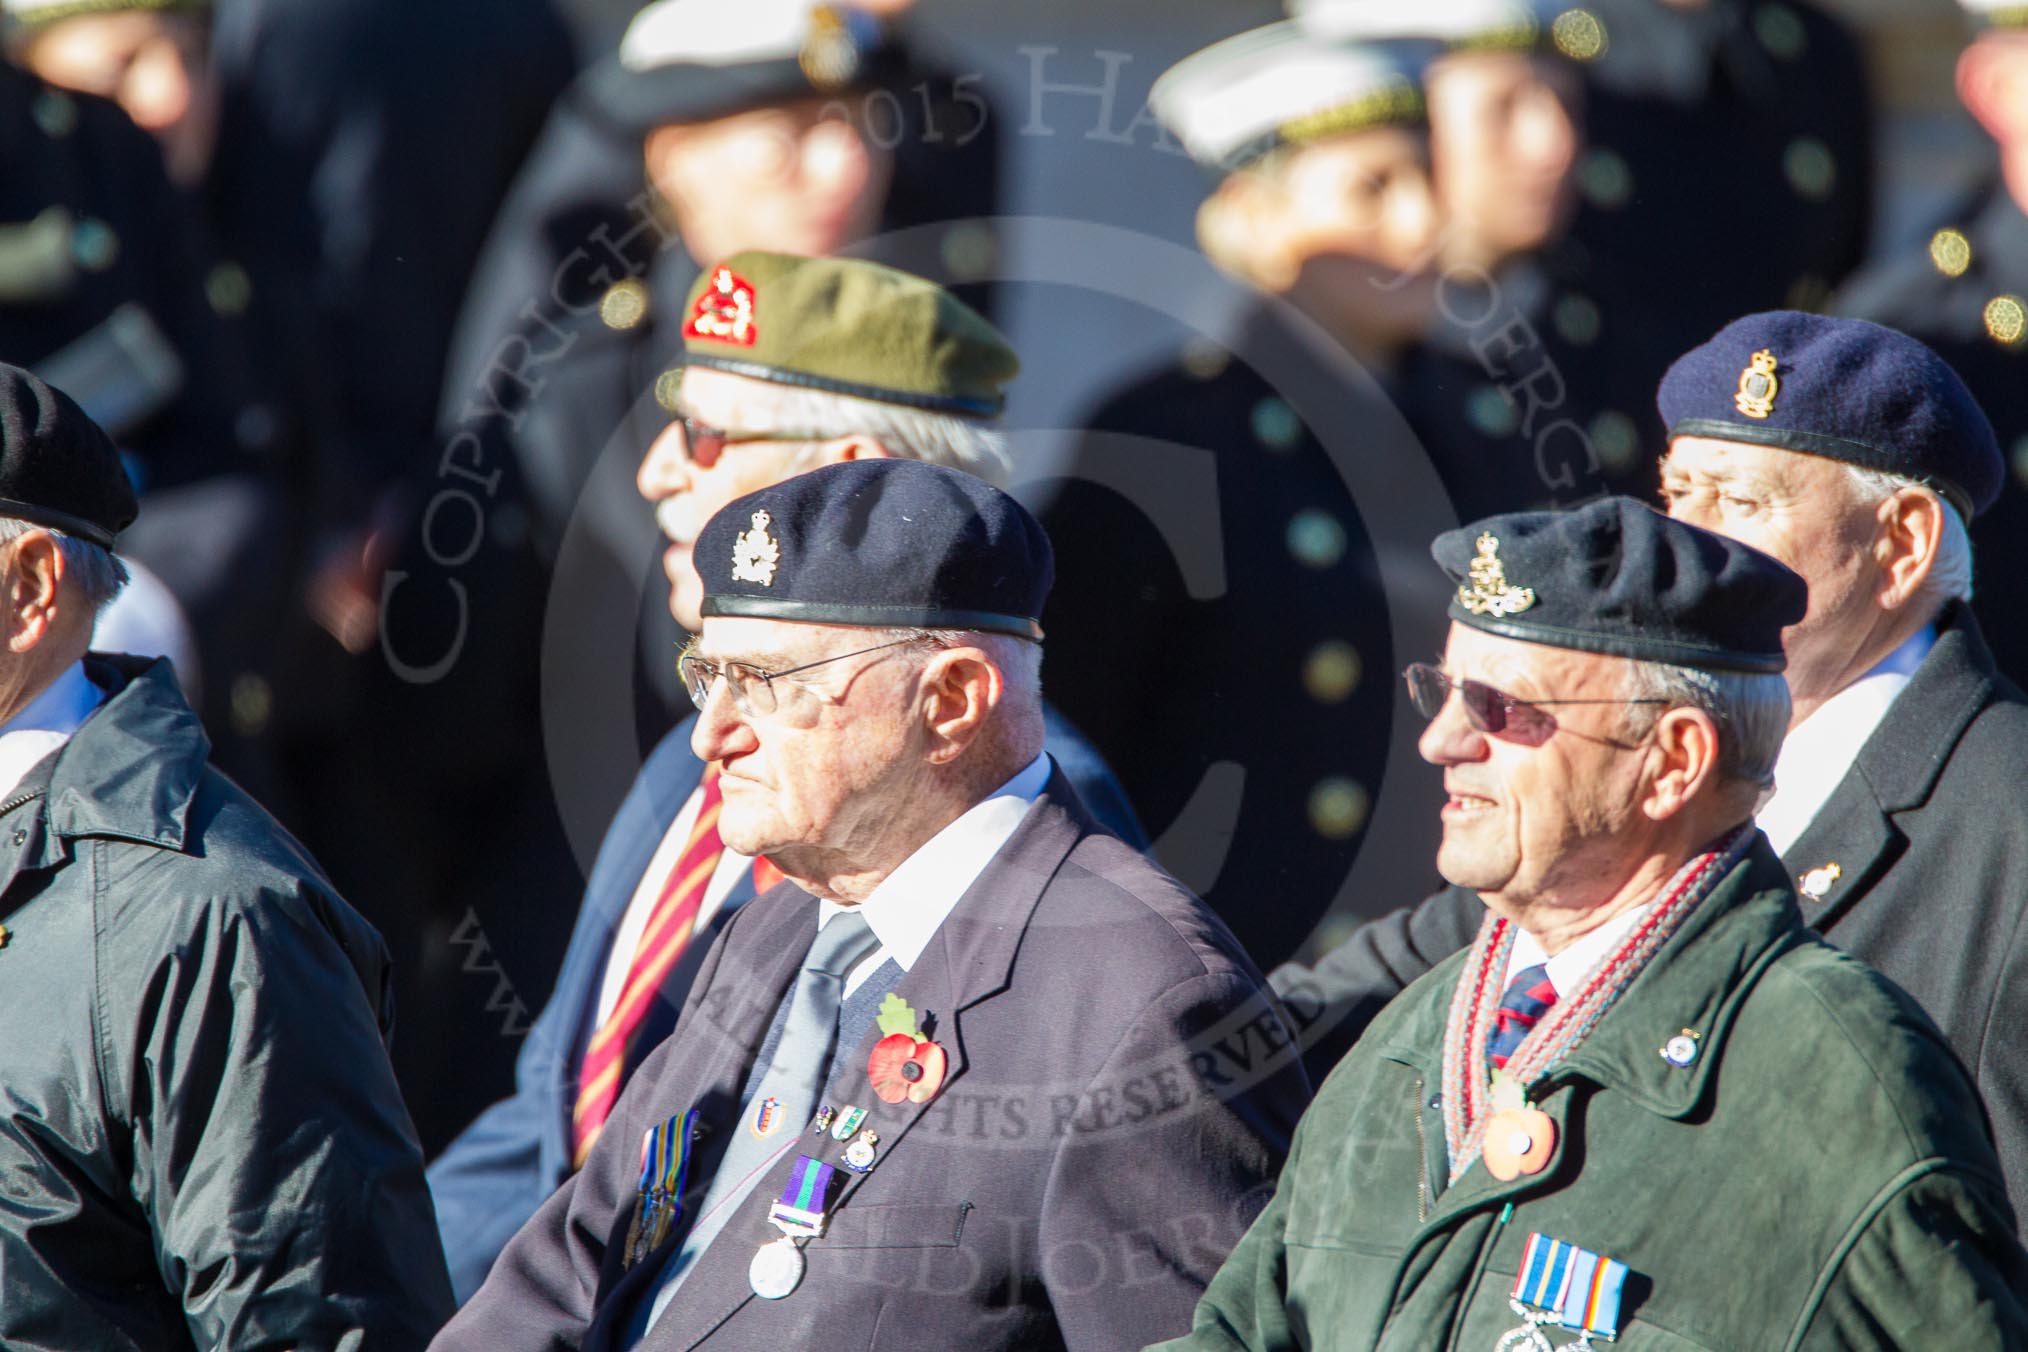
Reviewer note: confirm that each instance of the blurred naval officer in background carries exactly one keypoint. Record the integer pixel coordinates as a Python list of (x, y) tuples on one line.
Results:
[(1250, 607), (1966, 295), (112, 289)]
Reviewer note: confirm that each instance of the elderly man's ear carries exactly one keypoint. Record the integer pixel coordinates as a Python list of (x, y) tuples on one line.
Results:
[(1684, 746), (961, 687), (34, 582), (1905, 547)]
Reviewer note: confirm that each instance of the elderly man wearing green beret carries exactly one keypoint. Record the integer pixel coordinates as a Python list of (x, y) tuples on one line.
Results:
[(790, 364)]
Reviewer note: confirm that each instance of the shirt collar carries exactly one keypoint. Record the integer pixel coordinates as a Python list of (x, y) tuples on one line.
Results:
[(911, 902), (1819, 752), (1569, 968), (61, 708), (46, 724)]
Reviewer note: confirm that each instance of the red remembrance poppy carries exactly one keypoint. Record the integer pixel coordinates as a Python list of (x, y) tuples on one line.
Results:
[(902, 1067)]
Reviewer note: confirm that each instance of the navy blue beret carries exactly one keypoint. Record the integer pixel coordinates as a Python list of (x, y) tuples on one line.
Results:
[(57, 467), (1842, 388), (1617, 577), (881, 543)]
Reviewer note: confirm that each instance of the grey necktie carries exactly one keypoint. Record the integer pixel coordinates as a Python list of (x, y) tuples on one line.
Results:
[(794, 1079)]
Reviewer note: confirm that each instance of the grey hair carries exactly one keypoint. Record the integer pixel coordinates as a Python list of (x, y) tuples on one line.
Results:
[(917, 434), (1019, 659), (1950, 573), (93, 570), (1751, 711)]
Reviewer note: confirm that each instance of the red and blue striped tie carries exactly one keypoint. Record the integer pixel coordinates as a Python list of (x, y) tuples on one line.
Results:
[(1529, 996)]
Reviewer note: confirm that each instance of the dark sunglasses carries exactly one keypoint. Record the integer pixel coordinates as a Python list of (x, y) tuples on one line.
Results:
[(1489, 710), (707, 443)]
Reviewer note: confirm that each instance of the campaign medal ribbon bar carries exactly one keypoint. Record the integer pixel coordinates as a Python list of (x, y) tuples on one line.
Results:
[(665, 1160), (1565, 1286)]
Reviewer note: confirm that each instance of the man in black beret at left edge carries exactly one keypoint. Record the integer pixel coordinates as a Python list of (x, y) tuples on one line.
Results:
[(974, 1070), (202, 1139)]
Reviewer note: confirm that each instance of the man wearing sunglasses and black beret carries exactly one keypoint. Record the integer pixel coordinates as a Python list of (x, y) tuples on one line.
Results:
[(1646, 1103), (1854, 454)]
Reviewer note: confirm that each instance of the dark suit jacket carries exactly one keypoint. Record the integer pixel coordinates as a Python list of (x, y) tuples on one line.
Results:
[(490, 1180), (1929, 830), (1118, 1101)]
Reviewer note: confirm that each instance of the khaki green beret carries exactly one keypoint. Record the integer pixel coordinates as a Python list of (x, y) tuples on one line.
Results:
[(850, 327), (29, 14)]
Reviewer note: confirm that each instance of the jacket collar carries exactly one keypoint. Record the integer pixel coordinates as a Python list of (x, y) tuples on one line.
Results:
[(1904, 756), (1897, 768), (1694, 986), (1695, 983), (131, 771)]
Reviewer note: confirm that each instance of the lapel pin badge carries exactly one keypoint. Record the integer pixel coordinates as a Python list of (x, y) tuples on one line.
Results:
[(1680, 1050), (1818, 881)]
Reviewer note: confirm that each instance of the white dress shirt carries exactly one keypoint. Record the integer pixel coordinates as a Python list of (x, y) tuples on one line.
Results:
[(911, 902), (1818, 752), (46, 724), (903, 912)]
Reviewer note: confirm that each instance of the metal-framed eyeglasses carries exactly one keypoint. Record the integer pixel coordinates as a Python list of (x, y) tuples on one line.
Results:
[(753, 688), (1490, 710), (706, 443)]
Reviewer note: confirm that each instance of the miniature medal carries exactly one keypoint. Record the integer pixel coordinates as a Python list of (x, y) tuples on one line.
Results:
[(1561, 1285)]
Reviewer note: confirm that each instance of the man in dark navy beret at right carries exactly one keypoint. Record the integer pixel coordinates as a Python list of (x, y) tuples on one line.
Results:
[(1855, 455)]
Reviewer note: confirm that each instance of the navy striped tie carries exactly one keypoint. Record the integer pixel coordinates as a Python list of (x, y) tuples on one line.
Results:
[(1529, 996)]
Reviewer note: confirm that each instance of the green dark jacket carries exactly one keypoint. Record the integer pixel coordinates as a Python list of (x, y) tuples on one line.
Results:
[(201, 1142), (1820, 1176)]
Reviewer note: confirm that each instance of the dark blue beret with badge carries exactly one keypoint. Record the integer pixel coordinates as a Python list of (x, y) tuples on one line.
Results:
[(1846, 389), (880, 543), (1617, 577), (57, 467)]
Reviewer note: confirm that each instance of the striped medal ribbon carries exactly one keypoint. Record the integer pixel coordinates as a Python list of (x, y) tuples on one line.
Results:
[(665, 1160), (1562, 1285)]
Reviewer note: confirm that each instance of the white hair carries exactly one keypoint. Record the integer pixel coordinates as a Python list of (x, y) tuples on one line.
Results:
[(1751, 711), (1950, 573), (94, 572), (915, 433)]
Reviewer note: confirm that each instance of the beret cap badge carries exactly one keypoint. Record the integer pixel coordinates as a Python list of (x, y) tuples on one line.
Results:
[(1489, 593), (755, 553), (1758, 386), (724, 311)]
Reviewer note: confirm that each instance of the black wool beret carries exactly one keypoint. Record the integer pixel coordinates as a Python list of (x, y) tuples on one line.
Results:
[(1617, 577), (879, 543), (1846, 389), (57, 468)]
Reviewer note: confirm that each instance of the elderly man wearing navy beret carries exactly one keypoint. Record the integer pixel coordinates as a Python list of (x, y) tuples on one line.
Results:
[(1646, 1103), (1855, 455), (979, 1074)]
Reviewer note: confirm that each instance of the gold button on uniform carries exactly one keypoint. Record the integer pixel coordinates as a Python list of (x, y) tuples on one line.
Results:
[(2006, 319), (1950, 251), (625, 304)]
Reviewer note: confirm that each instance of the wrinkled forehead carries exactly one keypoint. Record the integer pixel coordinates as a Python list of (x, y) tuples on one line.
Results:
[(776, 644), (1524, 669)]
